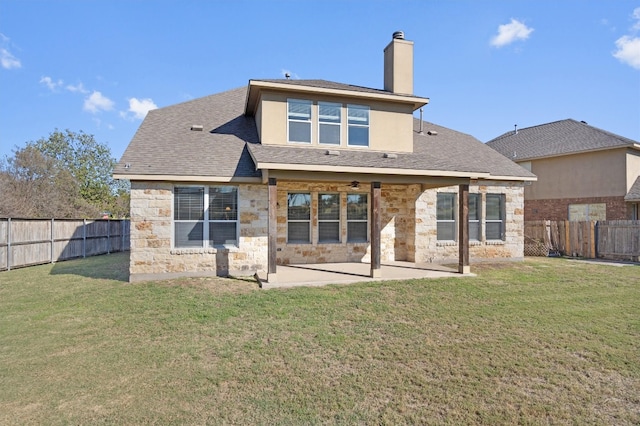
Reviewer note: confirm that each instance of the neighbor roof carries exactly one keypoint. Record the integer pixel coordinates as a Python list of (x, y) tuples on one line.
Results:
[(555, 139), (634, 192), (228, 148)]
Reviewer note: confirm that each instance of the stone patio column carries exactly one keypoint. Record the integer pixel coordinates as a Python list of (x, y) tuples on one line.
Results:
[(463, 229), (376, 229), (272, 230)]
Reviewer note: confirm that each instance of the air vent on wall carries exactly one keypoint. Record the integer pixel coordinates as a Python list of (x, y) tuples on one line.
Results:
[(197, 127), (388, 155)]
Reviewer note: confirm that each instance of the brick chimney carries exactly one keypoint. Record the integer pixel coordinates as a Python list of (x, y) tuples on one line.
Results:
[(398, 65)]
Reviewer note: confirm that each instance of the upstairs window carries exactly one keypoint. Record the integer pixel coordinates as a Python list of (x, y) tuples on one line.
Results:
[(495, 216), (357, 218), (328, 218), (329, 117), (299, 120), (299, 218), (446, 218), (358, 121)]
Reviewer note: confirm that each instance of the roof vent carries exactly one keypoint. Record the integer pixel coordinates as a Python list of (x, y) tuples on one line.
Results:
[(432, 133), (332, 152), (398, 35), (197, 127), (388, 155)]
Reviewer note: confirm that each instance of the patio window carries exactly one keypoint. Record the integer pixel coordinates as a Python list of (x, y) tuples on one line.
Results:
[(299, 119), (357, 218), (495, 216), (358, 121), (329, 218), (329, 123), (474, 217), (299, 218), (446, 219), (205, 216)]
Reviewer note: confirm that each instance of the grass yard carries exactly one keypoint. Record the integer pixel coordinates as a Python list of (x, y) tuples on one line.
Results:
[(543, 341)]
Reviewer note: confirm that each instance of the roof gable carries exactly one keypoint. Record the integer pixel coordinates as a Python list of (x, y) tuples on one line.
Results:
[(555, 139)]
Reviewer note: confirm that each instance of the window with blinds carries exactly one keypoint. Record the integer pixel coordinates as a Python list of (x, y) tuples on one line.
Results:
[(446, 217), (495, 216), (357, 218), (299, 218), (299, 120), (329, 218), (358, 122), (329, 118), (205, 216)]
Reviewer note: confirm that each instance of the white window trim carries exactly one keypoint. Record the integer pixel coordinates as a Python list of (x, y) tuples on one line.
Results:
[(347, 220), (300, 220), (339, 220), (338, 124), (310, 121), (368, 125), (205, 225), (455, 217)]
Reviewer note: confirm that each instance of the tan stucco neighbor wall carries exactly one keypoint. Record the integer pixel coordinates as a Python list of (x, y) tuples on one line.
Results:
[(430, 250), (591, 174), (152, 254)]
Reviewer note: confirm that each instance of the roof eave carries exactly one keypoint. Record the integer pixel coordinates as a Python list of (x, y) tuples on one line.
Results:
[(256, 86)]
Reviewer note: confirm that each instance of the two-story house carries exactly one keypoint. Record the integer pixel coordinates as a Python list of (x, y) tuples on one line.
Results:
[(584, 173), (311, 171)]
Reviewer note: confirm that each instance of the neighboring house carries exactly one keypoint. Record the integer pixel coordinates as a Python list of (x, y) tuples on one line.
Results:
[(312, 171), (584, 173)]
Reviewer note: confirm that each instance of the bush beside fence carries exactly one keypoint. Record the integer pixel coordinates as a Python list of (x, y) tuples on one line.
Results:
[(25, 242), (611, 239)]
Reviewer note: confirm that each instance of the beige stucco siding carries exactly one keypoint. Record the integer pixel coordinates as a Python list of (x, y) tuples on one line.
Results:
[(390, 128), (593, 174), (633, 167)]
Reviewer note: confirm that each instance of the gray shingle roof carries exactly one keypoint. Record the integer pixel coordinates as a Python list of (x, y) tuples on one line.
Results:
[(448, 151), (634, 192), (554, 139), (325, 84), (165, 145)]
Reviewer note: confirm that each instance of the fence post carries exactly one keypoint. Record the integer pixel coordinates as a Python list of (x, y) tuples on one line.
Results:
[(52, 240), (8, 244), (108, 237), (84, 238), (567, 238), (122, 232)]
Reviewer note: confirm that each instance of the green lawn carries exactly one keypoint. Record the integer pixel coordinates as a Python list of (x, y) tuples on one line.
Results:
[(543, 341)]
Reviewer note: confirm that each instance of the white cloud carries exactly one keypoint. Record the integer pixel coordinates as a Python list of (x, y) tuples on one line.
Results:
[(97, 102), (79, 88), (628, 46), (636, 15), (140, 107), (9, 61), (52, 85), (628, 51), (508, 33)]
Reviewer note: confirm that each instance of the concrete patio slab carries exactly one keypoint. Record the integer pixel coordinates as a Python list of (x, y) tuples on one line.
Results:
[(319, 274)]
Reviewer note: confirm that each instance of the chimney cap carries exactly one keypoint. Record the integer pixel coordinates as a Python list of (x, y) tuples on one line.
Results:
[(398, 35)]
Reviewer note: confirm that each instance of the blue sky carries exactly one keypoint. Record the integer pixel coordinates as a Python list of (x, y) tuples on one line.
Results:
[(98, 66)]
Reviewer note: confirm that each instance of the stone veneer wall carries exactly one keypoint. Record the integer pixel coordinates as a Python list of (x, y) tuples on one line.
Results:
[(397, 236), (430, 250), (152, 254), (408, 230)]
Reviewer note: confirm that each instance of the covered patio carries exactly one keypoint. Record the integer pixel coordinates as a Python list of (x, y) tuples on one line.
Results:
[(319, 274)]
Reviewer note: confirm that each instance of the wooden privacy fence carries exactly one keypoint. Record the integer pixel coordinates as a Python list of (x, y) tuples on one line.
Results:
[(612, 239), (25, 242)]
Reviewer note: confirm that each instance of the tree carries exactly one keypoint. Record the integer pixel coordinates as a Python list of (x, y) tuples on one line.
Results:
[(65, 175)]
